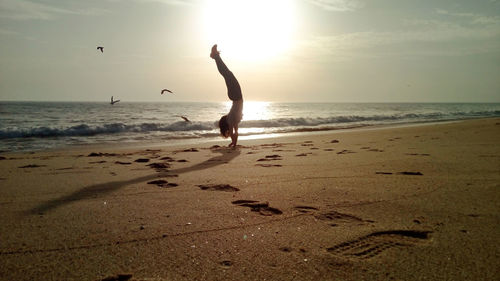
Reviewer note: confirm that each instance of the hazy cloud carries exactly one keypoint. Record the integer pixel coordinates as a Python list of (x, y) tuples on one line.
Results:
[(174, 2), (471, 17), (469, 39), (338, 5), (28, 10)]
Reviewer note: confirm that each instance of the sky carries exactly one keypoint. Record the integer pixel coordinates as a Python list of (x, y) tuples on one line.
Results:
[(280, 50)]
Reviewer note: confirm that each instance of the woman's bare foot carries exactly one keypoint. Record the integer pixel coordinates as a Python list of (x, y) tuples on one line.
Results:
[(214, 53)]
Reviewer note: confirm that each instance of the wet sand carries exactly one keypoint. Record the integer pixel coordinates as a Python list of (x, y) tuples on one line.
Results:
[(402, 203)]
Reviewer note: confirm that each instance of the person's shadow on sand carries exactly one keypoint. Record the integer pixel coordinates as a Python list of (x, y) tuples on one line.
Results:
[(93, 191)]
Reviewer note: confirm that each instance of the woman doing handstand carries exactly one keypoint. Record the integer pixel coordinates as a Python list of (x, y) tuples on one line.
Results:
[(228, 124)]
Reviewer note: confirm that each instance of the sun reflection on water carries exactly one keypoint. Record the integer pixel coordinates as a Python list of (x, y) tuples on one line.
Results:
[(252, 111)]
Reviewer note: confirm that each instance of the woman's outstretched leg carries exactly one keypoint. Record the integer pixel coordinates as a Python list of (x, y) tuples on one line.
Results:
[(233, 87)]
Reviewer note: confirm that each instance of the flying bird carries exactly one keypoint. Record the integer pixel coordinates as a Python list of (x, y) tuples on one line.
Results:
[(101, 48), (113, 101), (165, 90), (184, 117)]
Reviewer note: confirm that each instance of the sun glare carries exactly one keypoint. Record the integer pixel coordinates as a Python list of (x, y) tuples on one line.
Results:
[(253, 110), (251, 30)]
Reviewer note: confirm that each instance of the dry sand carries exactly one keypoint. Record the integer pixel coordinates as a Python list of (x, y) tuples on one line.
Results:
[(406, 203)]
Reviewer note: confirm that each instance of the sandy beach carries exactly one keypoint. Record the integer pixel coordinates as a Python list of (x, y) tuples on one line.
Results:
[(419, 202)]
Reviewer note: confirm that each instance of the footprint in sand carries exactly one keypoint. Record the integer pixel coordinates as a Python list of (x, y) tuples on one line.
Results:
[(345, 151), (159, 167), (338, 217), (305, 209), (418, 154), (168, 159), (122, 163), (32, 166), (119, 277), (376, 243), (375, 150), (94, 154), (271, 158), (383, 173), (411, 173), (219, 187), (333, 217), (142, 160), (226, 264), (261, 208), (163, 183), (269, 165)]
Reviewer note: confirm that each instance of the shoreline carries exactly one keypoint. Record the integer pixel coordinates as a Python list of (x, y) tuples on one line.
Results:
[(403, 203), (216, 140)]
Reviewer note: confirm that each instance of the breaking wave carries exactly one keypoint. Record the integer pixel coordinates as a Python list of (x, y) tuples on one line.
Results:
[(272, 125)]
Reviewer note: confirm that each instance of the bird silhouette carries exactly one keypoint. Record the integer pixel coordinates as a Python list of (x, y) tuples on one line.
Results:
[(165, 90), (113, 101), (184, 117), (101, 48)]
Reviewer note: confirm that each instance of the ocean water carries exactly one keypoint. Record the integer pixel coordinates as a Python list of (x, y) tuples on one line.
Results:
[(30, 126)]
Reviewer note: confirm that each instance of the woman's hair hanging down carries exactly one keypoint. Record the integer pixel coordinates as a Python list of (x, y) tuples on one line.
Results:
[(224, 127)]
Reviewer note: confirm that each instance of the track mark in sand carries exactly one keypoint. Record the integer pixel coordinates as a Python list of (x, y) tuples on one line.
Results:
[(123, 163), (219, 187), (238, 202), (345, 151), (119, 277), (99, 154), (374, 244), (2, 158), (226, 263), (168, 159), (272, 145), (411, 173), (98, 162), (305, 209), (333, 217), (142, 160), (269, 165), (32, 166), (163, 183), (418, 154), (337, 216), (159, 167), (401, 173), (334, 141), (303, 154), (66, 168), (285, 249), (262, 208), (271, 158)]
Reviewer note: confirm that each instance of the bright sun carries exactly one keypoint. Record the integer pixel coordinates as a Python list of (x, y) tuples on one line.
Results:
[(252, 30)]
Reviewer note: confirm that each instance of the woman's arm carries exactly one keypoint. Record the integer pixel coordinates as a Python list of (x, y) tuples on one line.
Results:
[(234, 136)]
